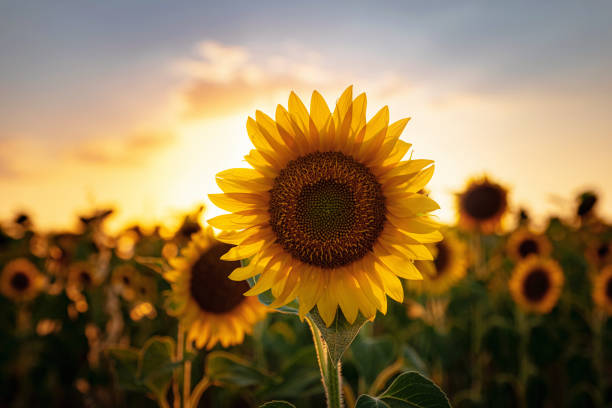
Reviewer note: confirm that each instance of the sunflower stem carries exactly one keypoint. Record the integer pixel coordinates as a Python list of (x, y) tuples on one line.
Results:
[(179, 356), (523, 330), (187, 377), (331, 376)]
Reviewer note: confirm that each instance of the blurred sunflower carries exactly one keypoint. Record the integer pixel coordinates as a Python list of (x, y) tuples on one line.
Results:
[(146, 288), (482, 205), (524, 242), (602, 289), (211, 307), (329, 213), (448, 267), (536, 284), (124, 279), (599, 253), (81, 275), (21, 280)]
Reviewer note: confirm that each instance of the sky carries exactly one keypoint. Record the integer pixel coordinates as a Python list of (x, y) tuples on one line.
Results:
[(138, 104)]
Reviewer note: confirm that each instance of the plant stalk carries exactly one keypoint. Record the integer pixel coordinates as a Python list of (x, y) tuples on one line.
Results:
[(331, 374)]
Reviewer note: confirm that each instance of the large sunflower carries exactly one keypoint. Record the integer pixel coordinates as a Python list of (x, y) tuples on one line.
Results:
[(21, 280), (448, 267), (329, 213), (211, 307), (536, 284), (482, 205), (524, 242), (602, 289)]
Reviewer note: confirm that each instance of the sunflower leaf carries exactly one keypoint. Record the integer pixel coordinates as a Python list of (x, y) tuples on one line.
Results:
[(409, 390), (155, 364), (339, 335), (277, 404), (229, 369)]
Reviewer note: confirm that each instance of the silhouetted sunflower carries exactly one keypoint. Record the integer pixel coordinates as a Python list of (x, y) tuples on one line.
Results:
[(329, 213), (146, 288), (482, 205), (21, 280), (602, 289), (211, 307), (524, 242), (448, 267), (586, 204), (536, 284)]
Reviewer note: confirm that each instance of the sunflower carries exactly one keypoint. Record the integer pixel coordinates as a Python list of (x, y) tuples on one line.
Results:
[(448, 267), (211, 307), (599, 253), (524, 242), (602, 289), (124, 279), (81, 275), (329, 214), (482, 205), (146, 288), (21, 280), (536, 284)]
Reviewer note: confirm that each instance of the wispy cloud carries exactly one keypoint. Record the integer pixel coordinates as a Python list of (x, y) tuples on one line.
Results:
[(226, 79)]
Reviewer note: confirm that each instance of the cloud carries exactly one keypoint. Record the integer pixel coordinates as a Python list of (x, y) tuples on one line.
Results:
[(227, 79), (134, 149)]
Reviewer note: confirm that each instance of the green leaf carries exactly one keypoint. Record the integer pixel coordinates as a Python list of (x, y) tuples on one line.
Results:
[(367, 401), (371, 356), (126, 367), (156, 365), (339, 335), (414, 390), (277, 404), (229, 369), (409, 390)]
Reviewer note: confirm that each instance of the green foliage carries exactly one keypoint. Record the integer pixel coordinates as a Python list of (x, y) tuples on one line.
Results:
[(409, 390), (277, 404)]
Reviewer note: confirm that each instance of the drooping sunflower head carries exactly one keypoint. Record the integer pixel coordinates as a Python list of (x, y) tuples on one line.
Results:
[(329, 214), (602, 289), (586, 204), (211, 307), (448, 267), (482, 205), (536, 284), (524, 242), (21, 280)]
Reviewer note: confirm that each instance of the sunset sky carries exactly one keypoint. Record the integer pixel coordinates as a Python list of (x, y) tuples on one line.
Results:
[(137, 104)]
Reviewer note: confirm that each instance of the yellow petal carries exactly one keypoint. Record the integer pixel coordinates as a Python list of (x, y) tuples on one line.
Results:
[(401, 267), (393, 133), (241, 252), (341, 286), (327, 306), (299, 113), (417, 225), (238, 221), (239, 201), (410, 205)]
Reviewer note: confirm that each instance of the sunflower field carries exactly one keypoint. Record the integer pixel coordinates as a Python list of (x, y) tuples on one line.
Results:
[(329, 281)]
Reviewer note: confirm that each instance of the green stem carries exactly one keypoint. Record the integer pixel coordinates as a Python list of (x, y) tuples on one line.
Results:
[(523, 330), (330, 373)]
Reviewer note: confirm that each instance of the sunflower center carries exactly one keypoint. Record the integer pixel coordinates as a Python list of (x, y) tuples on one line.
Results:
[(126, 280), (483, 202), (85, 278), (528, 247), (20, 281), (536, 285), (443, 258), (210, 287), (326, 209), (603, 251)]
